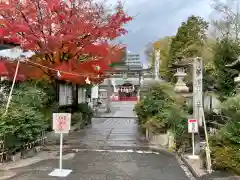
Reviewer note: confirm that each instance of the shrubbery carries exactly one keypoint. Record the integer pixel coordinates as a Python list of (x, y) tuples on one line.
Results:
[(160, 109), (83, 108), (30, 113), (225, 145), (24, 120)]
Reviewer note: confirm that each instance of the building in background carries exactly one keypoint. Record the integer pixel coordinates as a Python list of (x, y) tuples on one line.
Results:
[(126, 78)]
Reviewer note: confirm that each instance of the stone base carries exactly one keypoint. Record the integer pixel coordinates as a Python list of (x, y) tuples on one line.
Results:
[(60, 172), (166, 140), (181, 88), (193, 157), (38, 149), (28, 153), (16, 157), (158, 139)]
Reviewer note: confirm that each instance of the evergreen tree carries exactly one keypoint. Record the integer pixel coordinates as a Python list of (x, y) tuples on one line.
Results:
[(225, 52), (189, 40)]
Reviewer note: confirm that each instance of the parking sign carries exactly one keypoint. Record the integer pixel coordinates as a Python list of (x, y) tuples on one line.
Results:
[(61, 122), (192, 126)]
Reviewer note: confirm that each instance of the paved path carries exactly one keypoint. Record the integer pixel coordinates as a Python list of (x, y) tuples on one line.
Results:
[(121, 109), (112, 132), (109, 166), (106, 152)]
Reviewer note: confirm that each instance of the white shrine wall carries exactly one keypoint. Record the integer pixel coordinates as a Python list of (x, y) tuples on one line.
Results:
[(66, 97)]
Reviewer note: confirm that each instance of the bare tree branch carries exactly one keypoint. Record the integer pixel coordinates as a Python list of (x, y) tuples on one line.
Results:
[(229, 25)]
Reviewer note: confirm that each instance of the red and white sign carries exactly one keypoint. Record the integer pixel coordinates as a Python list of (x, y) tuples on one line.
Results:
[(192, 126), (61, 122)]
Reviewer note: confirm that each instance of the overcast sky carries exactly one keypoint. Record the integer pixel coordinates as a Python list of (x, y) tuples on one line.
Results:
[(154, 19)]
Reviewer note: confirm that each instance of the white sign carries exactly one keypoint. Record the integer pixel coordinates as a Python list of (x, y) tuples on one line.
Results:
[(192, 126), (61, 122)]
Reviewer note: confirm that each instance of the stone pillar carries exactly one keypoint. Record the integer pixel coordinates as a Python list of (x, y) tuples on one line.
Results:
[(181, 86), (157, 64), (197, 89)]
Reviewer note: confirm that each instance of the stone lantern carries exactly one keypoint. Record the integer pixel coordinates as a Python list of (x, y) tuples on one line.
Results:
[(180, 74)]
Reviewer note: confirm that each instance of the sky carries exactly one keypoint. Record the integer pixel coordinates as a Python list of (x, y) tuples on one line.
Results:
[(154, 19)]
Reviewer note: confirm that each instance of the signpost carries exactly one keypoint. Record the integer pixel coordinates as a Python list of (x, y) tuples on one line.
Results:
[(61, 125), (193, 128)]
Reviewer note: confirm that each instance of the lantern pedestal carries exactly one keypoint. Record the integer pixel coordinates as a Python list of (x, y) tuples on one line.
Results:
[(181, 85)]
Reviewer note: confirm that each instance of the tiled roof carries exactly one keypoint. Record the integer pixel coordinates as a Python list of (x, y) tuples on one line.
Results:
[(6, 44)]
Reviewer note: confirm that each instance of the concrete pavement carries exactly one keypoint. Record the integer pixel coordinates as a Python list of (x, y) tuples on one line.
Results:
[(111, 132), (90, 165), (108, 151)]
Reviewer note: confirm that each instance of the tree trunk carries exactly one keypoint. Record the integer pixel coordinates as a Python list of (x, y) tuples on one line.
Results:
[(55, 83), (57, 90)]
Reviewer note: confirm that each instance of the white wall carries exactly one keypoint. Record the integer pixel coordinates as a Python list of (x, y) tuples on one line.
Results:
[(81, 95), (65, 94), (215, 103)]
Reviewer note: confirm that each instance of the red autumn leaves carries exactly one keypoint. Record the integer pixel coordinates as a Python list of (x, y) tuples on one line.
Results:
[(71, 36)]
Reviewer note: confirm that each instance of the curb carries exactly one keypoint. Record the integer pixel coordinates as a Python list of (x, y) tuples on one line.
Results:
[(118, 117), (194, 173), (162, 150), (6, 174), (179, 157), (181, 160)]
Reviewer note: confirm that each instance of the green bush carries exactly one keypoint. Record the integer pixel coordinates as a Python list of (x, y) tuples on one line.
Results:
[(83, 108), (160, 109), (65, 109), (154, 98), (29, 93), (76, 117), (231, 108), (24, 121), (225, 154), (140, 112), (87, 112), (225, 145)]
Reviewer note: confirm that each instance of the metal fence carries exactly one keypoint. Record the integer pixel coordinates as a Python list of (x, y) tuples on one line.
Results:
[(216, 122), (6, 152)]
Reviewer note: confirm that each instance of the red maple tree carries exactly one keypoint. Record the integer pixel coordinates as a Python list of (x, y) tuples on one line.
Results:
[(73, 35)]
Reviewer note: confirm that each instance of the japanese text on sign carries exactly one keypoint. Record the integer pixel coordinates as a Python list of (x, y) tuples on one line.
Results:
[(61, 122)]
